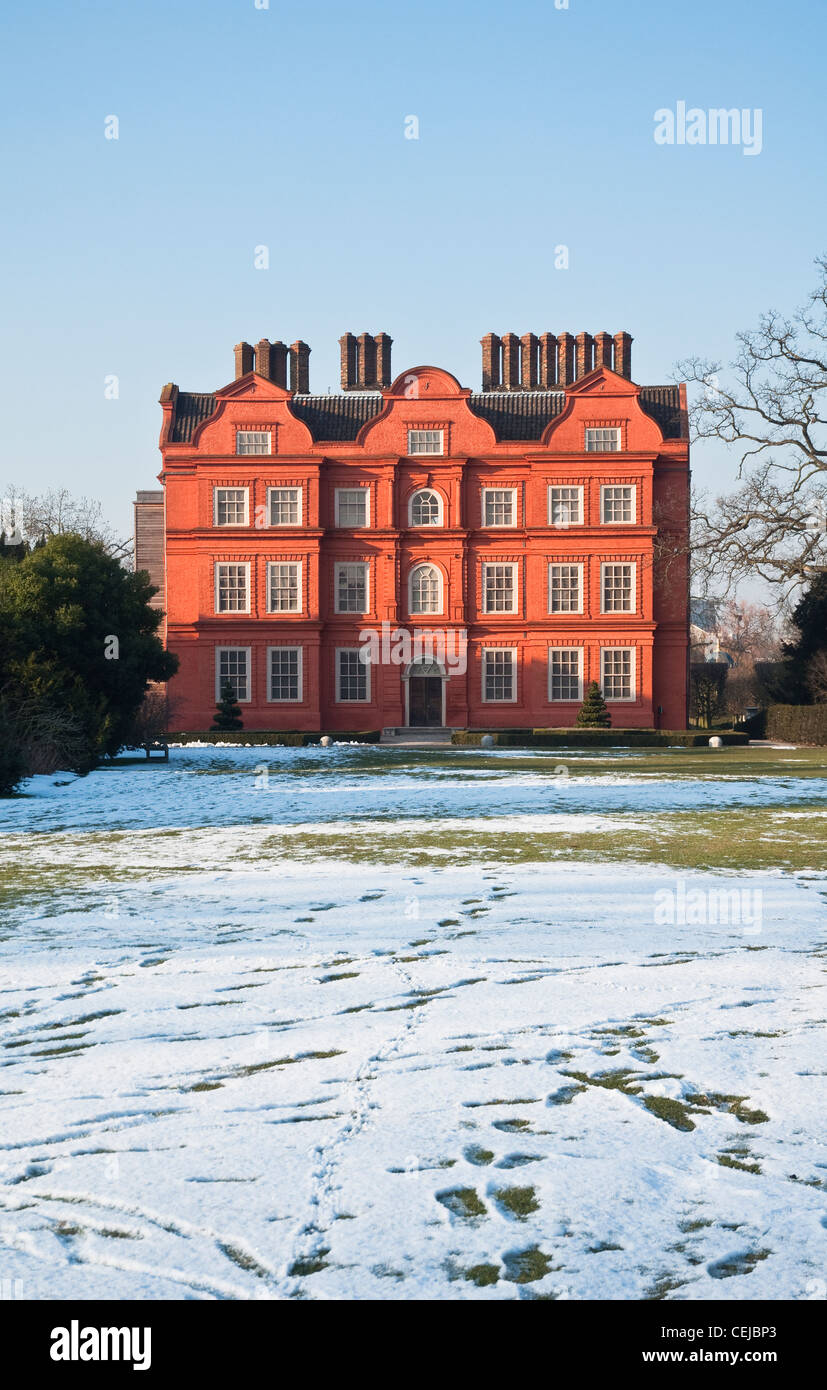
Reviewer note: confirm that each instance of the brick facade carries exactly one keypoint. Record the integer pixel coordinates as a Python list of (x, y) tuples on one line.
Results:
[(266, 534)]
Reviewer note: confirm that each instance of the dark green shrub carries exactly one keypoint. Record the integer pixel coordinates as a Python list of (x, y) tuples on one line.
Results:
[(798, 723), (594, 712)]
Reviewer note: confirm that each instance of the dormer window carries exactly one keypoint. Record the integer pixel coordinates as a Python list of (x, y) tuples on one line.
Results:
[(425, 441), (603, 441), (253, 442)]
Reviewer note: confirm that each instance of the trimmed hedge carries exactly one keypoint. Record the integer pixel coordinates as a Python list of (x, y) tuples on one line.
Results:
[(797, 723), (270, 738), (596, 738)]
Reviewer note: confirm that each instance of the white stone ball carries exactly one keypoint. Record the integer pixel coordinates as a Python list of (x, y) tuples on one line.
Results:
[(716, 742), (486, 741), (326, 741)]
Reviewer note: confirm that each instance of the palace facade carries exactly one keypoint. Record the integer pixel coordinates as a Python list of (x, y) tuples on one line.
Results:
[(523, 526)]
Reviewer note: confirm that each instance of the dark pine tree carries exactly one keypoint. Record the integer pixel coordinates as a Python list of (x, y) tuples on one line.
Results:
[(809, 619), (593, 713), (227, 711)]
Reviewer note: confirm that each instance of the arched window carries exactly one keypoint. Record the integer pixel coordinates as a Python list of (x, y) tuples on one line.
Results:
[(426, 508), (426, 589)]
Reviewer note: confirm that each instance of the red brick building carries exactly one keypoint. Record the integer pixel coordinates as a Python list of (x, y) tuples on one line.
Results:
[(525, 515)]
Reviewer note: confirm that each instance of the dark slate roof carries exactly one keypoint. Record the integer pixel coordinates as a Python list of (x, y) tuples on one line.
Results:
[(337, 418), (518, 414), (514, 415), (663, 403), (191, 407)]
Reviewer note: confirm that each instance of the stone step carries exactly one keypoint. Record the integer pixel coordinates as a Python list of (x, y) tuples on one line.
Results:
[(430, 734)]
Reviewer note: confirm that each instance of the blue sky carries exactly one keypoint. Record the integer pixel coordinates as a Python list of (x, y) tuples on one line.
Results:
[(285, 127)]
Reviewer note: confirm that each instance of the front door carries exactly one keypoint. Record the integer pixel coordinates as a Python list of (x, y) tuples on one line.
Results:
[(425, 701)]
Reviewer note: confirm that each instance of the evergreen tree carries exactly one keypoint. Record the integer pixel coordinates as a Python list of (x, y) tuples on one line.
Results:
[(593, 713), (809, 618), (78, 645), (227, 710)]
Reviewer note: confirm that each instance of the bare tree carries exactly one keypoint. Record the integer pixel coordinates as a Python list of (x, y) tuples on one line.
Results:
[(749, 632), (773, 410), (33, 517)]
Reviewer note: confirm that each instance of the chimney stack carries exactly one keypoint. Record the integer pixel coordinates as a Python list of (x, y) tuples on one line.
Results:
[(271, 361), (603, 350), (548, 361), (623, 354), (299, 368), (491, 347), (565, 359), (585, 350), (243, 359), (383, 359), (350, 360), (367, 361), (511, 362), (529, 354)]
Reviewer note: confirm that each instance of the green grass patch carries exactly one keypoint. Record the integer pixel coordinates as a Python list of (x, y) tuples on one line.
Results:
[(462, 1202), (518, 1202)]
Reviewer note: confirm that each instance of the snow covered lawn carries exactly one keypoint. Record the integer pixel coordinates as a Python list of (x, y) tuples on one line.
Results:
[(285, 1033)]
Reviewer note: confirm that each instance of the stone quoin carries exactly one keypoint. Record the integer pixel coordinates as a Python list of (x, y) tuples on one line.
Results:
[(531, 518)]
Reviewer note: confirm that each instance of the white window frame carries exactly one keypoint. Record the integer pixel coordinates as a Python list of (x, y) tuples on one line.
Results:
[(425, 525), (621, 564), (416, 437), (418, 613), (279, 699), (604, 488), (569, 699), (218, 678), (351, 564), (500, 564), (228, 488), (347, 525), (591, 445), (493, 651), (559, 565), (565, 487), (217, 566), (622, 699), (499, 525), (365, 664), (280, 525), (299, 567), (253, 453)]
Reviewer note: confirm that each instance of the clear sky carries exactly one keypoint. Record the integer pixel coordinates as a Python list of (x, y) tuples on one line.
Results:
[(285, 127)]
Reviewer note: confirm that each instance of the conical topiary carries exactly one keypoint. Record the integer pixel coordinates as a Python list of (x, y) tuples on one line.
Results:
[(593, 713), (227, 712)]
